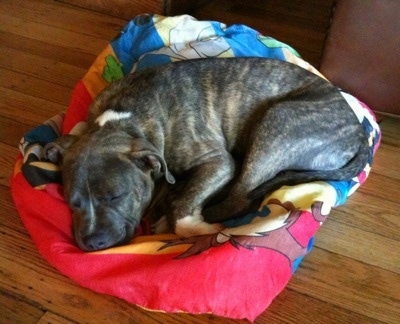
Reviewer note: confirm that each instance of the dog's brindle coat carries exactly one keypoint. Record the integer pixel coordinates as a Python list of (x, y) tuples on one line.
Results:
[(243, 126)]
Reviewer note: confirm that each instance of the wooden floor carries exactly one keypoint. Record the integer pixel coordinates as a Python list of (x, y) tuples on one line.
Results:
[(351, 276)]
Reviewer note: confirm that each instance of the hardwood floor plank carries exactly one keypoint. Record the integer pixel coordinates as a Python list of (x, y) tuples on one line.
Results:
[(27, 109), (13, 310), (43, 49), (386, 161), (34, 87), (293, 307), (356, 286), (64, 17), (382, 186), (21, 242), (371, 214), (42, 68), (7, 206), (7, 160), (52, 318), (53, 35), (390, 131), (357, 244), (11, 129)]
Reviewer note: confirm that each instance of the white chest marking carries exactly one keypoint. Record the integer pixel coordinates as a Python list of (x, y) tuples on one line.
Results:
[(111, 115)]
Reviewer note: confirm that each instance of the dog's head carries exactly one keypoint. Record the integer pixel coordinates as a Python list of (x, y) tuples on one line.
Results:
[(108, 182)]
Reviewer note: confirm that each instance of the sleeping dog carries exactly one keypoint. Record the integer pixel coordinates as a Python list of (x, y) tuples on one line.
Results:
[(231, 130)]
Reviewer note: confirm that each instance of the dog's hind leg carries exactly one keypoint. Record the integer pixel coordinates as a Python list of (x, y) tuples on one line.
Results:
[(259, 165), (302, 137), (237, 202)]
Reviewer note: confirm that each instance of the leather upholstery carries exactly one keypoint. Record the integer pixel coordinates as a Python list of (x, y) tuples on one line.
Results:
[(362, 53)]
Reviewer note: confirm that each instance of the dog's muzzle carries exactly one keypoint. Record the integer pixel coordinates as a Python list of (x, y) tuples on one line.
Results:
[(105, 238)]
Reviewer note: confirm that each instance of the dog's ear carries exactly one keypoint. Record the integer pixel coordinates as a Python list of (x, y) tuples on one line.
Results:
[(146, 156), (153, 162), (54, 151)]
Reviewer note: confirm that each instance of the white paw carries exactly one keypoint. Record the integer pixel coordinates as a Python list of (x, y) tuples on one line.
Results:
[(161, 226), (194, 225)]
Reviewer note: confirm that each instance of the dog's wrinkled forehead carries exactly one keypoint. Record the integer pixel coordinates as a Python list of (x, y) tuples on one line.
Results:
[(108, 176), (102, 141), (93, 157)]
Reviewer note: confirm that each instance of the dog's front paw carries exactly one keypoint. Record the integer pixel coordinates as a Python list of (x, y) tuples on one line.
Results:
[(161, 226), (194, 225)]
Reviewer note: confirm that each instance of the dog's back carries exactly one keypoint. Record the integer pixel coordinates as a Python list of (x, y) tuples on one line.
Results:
[(221, 100)]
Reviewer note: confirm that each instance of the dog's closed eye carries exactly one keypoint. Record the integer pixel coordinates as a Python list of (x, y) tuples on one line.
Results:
[(111, 198)]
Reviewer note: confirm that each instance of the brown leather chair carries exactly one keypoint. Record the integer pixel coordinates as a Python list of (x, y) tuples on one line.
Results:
[(362, 52)]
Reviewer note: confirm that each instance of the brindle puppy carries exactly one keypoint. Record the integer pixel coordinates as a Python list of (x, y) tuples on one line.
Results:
[(241, 127)]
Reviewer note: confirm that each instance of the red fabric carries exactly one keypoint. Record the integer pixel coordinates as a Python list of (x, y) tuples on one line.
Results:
[(223, 280), (78, 107)]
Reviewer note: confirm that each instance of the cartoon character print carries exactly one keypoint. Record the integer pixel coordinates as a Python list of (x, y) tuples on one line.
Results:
[(38, 172), (288, 234), (185, 38), (113, 69)]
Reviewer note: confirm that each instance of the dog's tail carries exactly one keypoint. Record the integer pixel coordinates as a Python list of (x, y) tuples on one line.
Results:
[(290, 177)]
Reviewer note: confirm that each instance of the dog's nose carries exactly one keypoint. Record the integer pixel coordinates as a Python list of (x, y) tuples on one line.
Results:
[(98, 241)]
